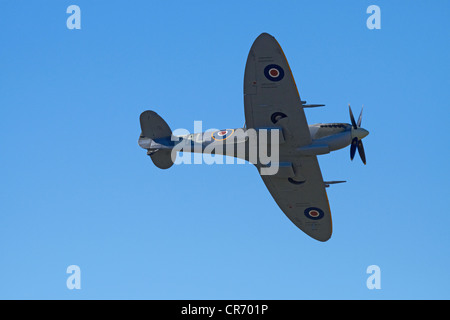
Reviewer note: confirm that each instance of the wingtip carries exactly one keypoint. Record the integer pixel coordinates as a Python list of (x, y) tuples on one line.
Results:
[(324, 239), (265, 36)]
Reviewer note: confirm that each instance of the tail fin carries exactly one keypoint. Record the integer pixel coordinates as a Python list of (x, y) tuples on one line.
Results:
[(153, 127)]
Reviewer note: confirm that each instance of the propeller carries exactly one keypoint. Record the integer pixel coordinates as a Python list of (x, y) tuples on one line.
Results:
[(358, 134)]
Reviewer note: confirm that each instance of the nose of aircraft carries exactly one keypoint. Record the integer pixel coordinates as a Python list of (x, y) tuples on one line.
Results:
[(359, 133)]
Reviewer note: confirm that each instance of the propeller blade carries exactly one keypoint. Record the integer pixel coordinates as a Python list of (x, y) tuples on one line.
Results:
[(351, 117), (361, 151), (353, 148), (360, 117)]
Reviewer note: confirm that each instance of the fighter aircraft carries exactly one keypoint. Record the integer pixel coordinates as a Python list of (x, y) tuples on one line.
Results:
[(271, 103)]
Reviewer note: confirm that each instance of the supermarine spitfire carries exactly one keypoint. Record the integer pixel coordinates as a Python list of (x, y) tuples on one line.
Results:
[(272, 104)]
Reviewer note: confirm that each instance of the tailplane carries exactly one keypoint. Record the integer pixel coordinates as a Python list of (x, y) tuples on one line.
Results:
[(155, 137)]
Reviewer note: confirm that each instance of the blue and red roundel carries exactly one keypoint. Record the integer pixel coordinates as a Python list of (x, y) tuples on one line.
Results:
[(314, 213), (274, 72), (222, 134)]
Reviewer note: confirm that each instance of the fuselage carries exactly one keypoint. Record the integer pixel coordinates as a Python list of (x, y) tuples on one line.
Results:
[(325, 137), (333, 135)]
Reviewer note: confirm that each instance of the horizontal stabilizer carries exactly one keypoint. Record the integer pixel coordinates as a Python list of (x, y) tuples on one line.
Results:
[(162, 158)]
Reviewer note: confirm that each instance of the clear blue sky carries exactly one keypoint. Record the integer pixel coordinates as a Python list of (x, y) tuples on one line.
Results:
[(76, 189)]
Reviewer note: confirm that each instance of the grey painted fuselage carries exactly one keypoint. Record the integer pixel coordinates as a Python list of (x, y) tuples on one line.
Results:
[(326, 137)]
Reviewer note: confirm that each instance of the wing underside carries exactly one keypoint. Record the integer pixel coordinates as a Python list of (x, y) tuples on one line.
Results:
[(270, 92), (303, 198), (271, 99)]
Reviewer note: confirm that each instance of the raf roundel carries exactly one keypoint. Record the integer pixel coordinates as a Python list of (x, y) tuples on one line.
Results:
[(273, 72), (314, 213), (222, 134)]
